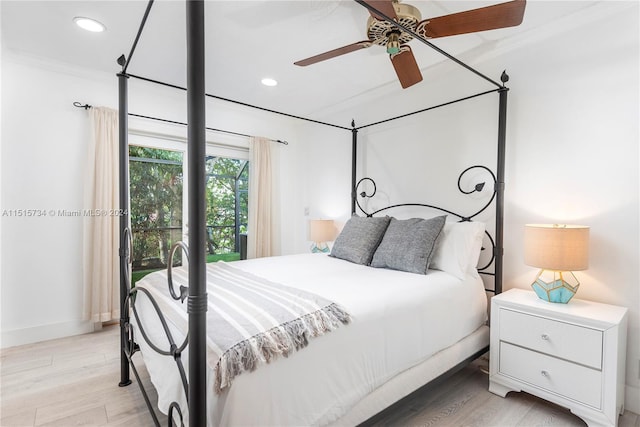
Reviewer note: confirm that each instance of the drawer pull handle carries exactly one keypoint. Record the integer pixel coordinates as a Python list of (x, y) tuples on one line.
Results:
[(545, 337), (544, 374)]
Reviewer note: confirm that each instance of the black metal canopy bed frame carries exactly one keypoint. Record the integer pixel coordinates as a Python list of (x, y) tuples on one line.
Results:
[(195, 386)]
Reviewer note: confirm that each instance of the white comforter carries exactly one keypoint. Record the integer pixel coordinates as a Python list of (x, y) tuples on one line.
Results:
[(398, 320)]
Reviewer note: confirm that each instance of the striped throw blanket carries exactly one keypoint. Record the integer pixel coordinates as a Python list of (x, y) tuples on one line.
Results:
[(251, 320)]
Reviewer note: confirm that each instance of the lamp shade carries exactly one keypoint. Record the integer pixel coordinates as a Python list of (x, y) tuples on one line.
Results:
[(321, 230), (557, 247)]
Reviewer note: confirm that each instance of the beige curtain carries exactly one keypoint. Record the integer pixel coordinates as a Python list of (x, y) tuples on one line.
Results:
[(263, 227), (101, 228)]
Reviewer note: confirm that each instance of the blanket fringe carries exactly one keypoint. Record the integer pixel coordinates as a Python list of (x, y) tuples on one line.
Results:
[(281, 340)]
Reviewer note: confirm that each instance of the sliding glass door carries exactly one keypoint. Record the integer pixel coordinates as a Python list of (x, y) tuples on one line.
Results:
[(227, 191), (156, 187), (159, 210)]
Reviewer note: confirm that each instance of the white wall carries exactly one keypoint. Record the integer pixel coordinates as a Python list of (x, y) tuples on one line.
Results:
[(1, 204), (42, 168), (572, 149), (43, 140), (575, 159), (326, 162)]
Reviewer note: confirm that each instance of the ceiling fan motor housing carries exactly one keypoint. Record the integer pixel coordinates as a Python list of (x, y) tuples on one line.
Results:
[(382, 32)]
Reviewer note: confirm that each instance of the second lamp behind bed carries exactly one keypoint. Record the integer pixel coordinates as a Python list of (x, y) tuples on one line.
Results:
[(321, 231)]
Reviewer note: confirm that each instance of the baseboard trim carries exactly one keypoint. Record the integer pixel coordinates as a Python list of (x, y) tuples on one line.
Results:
[(34, 334)]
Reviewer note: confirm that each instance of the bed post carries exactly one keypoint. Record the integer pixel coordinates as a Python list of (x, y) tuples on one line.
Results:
[(502, 136), (197, 300), (123, 183), (354, 162)]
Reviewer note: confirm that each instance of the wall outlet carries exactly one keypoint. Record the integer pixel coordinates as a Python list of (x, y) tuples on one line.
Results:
[(306, 211)]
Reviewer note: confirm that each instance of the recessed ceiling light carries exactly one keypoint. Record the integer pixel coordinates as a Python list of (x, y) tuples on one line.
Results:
[(269, 82), (89, 24)]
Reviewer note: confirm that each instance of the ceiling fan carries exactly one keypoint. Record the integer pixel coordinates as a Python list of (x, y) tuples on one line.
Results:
[(382, 33)]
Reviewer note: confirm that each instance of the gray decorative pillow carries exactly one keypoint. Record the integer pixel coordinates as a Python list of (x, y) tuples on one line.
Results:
[(359, 239), (408, 244)]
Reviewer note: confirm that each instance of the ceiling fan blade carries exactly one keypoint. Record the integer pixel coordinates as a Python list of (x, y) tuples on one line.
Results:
[(384, 6), (333, 53), (406, 67), (492, 17)]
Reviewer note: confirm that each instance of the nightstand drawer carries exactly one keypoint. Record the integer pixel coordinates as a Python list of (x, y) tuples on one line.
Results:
[(564, 340), (557, 376)]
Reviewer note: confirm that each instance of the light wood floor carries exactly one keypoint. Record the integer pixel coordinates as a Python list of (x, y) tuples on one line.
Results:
[(74, 382)]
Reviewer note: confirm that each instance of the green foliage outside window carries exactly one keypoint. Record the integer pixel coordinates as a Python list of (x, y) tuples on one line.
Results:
[(223, 175), (155, 182), (156, 192)]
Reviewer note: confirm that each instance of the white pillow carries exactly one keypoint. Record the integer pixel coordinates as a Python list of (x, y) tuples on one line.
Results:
[(458, 248)]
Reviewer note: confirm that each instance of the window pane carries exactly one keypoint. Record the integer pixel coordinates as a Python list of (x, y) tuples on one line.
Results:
[(226, 195), (156, 206), (156, 183)]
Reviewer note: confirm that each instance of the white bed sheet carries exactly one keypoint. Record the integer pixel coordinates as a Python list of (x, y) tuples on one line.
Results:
[(398, 321)]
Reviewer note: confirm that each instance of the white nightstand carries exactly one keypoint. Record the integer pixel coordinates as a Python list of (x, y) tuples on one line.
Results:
[(570, 354)]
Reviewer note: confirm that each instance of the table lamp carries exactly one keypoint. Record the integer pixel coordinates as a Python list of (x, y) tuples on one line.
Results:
[(321, 231), (556, 249)]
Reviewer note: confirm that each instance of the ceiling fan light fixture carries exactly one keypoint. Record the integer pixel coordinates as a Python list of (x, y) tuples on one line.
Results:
[(393, 45), (89, 24)]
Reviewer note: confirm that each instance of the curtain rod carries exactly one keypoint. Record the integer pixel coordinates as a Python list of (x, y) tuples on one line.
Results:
[(87, 106)]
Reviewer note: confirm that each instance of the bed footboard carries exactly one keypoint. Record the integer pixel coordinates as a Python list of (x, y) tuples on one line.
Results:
[(169, 349)]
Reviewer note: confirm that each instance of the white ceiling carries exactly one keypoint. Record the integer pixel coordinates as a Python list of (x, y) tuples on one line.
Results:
[(249, 40)]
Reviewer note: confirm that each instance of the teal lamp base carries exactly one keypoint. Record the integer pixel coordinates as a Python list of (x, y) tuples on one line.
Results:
[(320, 247), (557, 290)]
